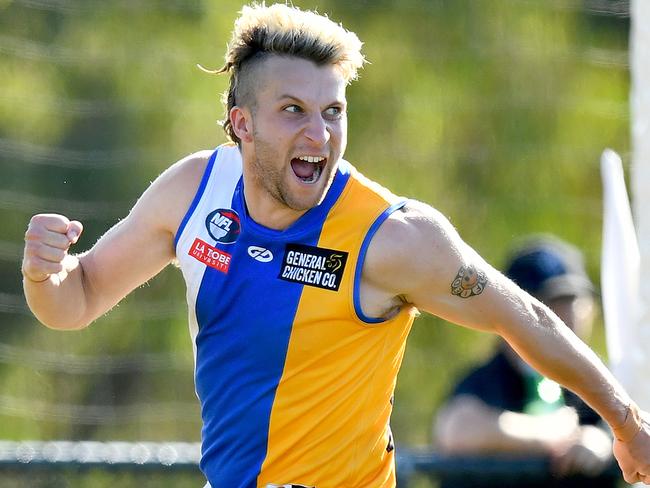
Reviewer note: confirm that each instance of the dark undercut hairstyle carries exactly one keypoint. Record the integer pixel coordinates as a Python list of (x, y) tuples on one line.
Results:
[(283, 30)]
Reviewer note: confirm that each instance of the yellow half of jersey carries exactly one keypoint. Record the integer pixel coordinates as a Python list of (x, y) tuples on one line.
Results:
[(329, 425)]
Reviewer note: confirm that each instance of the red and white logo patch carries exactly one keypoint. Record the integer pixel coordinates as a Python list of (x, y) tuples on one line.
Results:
[(210, 256)]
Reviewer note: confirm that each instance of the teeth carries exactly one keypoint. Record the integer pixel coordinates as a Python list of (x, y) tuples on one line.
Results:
[(311, 159)]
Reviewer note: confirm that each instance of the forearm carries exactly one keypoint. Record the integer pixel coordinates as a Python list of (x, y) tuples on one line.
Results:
[(555, 351), (60, 301)]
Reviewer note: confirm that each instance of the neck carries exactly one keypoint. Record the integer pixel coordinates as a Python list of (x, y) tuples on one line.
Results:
[(267, 210)]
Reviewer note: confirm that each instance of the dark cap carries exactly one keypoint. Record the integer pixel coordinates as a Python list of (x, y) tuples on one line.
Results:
[(549, 268)]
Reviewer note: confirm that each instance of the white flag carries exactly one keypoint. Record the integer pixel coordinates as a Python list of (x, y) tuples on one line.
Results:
[(620, 268)]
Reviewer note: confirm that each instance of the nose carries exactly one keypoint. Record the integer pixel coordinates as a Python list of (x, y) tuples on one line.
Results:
[(317, 130)]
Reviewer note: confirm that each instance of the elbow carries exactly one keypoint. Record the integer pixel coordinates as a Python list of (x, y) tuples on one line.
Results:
[(57, 308), (451, 437), (525, 313), (58, 319), (454, 428), (62, 323)]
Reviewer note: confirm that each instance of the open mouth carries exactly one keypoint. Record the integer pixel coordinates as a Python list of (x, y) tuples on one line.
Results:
[(308, 168)]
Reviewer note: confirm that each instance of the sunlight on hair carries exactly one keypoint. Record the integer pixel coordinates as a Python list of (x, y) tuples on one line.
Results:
[(285, 31)]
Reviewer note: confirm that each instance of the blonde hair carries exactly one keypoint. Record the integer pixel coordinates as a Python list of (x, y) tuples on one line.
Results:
[(286, 31)]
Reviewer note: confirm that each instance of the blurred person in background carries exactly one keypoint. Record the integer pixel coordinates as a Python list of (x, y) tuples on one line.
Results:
[(504, 406)]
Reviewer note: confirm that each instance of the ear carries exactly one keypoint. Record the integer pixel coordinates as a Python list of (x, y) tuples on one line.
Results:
[(242, 123)]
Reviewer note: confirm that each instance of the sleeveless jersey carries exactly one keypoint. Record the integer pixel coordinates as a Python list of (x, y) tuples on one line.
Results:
[(295, 382)]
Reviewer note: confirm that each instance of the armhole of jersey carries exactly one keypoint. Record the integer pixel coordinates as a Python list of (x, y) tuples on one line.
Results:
[(362, 257), (197, 196)]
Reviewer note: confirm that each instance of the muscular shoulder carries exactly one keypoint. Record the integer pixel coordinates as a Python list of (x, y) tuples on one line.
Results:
[(170, 194), (190, 167), (413, 242), (418, 256)]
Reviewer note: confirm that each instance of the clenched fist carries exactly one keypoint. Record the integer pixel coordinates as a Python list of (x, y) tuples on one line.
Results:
[(47, 240)]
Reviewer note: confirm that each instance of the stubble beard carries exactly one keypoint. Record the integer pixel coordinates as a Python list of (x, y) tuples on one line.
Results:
[(273, 179)]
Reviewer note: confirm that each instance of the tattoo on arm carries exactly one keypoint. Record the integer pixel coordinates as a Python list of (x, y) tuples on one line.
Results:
[(468, 282)]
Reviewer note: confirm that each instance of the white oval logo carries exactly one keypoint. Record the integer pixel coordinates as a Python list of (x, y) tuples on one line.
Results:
[(260, 254)]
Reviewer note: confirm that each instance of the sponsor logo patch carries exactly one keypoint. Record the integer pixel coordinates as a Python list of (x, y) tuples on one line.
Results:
[(223, 225), (260, 254), (210, 256), (313, 266)]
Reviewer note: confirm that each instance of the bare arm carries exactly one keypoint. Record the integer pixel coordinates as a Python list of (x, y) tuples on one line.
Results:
[(69, 292), (468, 425), (438, 273)]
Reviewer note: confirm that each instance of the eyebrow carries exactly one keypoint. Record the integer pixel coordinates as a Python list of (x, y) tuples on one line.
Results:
[(286, 95), (302, 102)]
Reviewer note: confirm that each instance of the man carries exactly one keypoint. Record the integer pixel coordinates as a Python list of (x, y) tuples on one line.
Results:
[(505, 407), (303, 277)]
